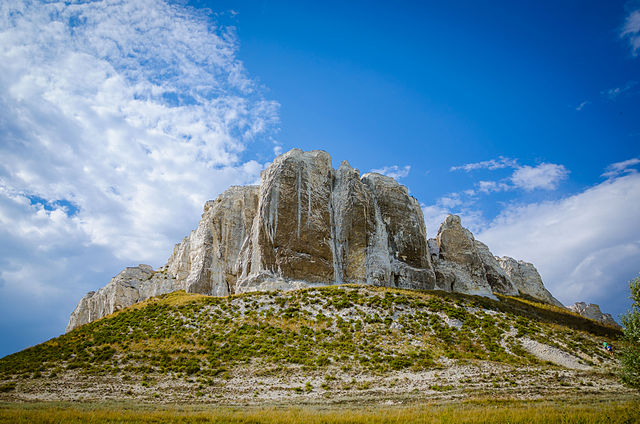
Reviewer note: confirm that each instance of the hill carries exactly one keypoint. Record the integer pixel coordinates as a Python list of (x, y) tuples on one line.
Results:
[(308, 224), (321, 344)]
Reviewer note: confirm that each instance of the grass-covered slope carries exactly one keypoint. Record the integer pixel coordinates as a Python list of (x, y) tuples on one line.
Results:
[(320, 341)]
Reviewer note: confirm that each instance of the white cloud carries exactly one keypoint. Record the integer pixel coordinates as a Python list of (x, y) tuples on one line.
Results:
[(394, 171), (451, 200), (614, 93), (586, 246), (493, 164), (619, 168), (545, 176), (582, 105), (631, 31), (487, 187), (118, 121), (434, 215)]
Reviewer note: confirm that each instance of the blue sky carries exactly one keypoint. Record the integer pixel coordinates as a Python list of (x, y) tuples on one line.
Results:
[(119, 119)]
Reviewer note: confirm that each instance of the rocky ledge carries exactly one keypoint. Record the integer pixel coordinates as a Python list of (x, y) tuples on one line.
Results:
[(592, 311), (308, 224)]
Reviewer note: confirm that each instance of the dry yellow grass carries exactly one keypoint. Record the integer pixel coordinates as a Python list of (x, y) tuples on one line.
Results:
[(478, 411)]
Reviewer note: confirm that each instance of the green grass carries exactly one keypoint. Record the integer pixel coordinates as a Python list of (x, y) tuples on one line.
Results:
[(360, 328), (470, 411)]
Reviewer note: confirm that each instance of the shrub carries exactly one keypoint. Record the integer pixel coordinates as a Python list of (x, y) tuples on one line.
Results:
[(7, 387), (630, 372)]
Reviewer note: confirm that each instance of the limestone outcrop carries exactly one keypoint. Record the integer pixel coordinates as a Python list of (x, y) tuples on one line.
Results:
[(464, 264), (459, 267), (527, 280), (207, 260), (132, 285), (592, 311), (309, 224)]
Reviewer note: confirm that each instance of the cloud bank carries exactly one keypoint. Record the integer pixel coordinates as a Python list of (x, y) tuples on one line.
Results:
[(118, 121), (586, 246)]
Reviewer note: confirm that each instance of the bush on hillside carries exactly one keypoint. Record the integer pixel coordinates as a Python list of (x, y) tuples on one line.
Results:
[(631, 322)]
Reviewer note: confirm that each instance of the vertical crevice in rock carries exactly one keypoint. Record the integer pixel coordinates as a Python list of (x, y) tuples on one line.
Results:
[(399, 218), (336, 230), (378, 261), (273, 213), (333, 244), (299, 202)]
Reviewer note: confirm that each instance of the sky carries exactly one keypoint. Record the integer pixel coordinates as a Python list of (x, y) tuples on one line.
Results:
[(119, 119)]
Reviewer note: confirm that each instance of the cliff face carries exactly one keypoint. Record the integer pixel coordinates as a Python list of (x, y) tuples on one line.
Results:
[(308, 224), (592, 311), (526, 279)]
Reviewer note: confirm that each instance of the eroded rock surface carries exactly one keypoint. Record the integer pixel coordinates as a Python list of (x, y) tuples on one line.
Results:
[(464, 264), (206, 261), (123, 290), (527, 279), (593, 311), (496, 275), (308, 224), (459, 267), (292, 232)]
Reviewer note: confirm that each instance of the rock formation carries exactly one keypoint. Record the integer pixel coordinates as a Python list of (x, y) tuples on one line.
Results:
[(133, 284), (593, 311), (527, 280), (308, 224), (465, 265)]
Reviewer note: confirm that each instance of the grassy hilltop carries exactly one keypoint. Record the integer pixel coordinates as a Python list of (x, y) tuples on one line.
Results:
[(328, 345)]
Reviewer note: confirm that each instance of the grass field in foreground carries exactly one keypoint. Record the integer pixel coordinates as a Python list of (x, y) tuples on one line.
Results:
[(475, 411)]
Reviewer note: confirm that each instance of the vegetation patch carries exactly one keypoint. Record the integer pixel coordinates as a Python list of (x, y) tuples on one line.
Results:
[(472, 411), (330, 332)]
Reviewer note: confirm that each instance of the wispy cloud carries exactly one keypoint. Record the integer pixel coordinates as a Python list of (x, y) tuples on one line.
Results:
[(614, 93), (631, 31), (493, 164), (582, 105), (112, 114), (394, 171), (487, 187), (619, 168), (545, 176)]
